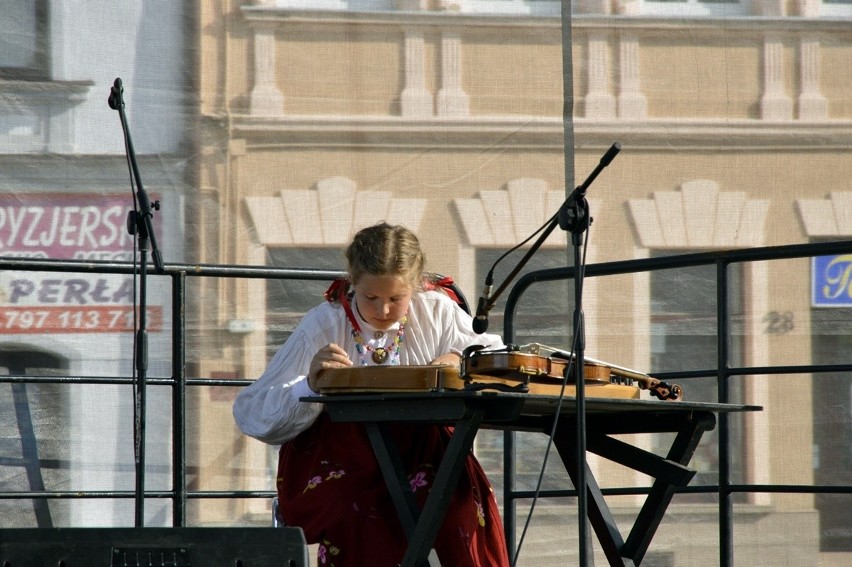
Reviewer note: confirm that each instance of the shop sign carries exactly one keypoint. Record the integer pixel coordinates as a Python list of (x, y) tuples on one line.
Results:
[(67, 226), (831, 278)]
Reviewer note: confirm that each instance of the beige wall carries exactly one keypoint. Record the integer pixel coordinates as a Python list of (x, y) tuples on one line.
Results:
[(725, 126)]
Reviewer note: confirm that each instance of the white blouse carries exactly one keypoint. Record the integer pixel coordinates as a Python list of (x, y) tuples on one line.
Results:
[(270, 410)]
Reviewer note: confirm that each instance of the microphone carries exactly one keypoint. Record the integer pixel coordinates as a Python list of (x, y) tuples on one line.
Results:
[(576, 219), (573, 215), (610, 154), (580, 192), (480, 320), (115, 95)]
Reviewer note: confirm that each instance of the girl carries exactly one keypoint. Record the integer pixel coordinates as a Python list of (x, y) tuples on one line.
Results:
[(329, 483)]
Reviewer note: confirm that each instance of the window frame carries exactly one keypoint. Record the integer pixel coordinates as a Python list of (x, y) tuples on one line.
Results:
[(39, 69), (697, 8)]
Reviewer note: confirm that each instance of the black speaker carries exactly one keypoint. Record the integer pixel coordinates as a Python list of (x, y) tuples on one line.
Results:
[(153, 547)]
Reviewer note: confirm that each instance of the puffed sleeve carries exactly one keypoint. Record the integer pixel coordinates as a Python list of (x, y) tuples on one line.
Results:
[(269, 409), (462, 335), (440, 326)]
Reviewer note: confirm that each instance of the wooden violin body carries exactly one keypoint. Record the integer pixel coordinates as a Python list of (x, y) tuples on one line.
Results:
[(534, 367), (524, 366), (540, 375)]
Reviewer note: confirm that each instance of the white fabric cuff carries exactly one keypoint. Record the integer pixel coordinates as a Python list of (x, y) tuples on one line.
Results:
[(302, 388)]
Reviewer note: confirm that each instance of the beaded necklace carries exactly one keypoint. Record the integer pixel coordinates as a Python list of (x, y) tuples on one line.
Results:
[(338, 291), (379, 355)]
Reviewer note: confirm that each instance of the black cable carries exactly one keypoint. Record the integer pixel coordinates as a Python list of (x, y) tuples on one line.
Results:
[(557, 413), (132, 222)]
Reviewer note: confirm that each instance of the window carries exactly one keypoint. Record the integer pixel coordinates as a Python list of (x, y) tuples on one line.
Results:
[(835, 9), (832, 410), (545, 310), (684, 337), (24, 40), (288, 300), (695, 7), (33, 436), (544, 315)]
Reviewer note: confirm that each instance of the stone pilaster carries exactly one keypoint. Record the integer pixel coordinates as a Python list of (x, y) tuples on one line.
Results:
[(812, 104), (775, 104), (266, 99), (600, 103), (632, 104), (452, 100), (415, 99)]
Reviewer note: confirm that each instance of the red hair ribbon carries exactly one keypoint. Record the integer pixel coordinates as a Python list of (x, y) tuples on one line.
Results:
[(443, 282), (339, 289)]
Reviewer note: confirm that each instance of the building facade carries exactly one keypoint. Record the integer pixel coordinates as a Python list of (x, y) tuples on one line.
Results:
[(65, 194), (734, 121), (272, 130)]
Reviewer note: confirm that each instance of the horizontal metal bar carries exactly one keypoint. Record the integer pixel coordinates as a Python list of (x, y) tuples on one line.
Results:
[(196, 270), (702, 489)]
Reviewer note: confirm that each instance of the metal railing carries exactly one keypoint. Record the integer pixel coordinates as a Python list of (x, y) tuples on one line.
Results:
[(178, 382), (723, 373)]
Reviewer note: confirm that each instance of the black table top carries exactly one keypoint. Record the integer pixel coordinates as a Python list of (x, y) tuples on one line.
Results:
[(498, 406)]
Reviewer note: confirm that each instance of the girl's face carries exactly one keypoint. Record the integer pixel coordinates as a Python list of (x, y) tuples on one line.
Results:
[(382, 300)]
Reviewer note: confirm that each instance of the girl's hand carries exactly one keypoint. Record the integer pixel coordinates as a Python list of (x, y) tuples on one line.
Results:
[(329, 356), (448, 359)]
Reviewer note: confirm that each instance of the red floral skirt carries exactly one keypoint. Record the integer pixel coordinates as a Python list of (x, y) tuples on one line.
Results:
[(330, 485)]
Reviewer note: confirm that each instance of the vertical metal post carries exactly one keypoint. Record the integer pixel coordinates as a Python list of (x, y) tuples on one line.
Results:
[(726, 532), (509, 506), (179, 399)]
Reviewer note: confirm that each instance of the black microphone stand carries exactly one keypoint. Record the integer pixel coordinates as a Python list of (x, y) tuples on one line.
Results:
[(573, 216), (139, 223)]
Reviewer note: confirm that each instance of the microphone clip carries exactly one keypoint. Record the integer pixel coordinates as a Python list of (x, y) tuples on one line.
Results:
[(116, 95)]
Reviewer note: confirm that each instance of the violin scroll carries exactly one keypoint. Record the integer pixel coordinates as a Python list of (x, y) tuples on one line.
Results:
[(661, 390)]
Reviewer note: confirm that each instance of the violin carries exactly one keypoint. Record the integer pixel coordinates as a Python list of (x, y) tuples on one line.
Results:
[(524, 366), (535, 367)]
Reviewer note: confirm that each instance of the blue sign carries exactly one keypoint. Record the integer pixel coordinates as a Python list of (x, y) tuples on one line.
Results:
[(831, 278)]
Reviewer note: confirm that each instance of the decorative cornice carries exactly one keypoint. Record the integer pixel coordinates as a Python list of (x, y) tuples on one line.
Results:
[(699, 216), (541, 132), (327, 215), (506, 217), (756, 24), (827, 218), (262, 14), (33, 93)]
